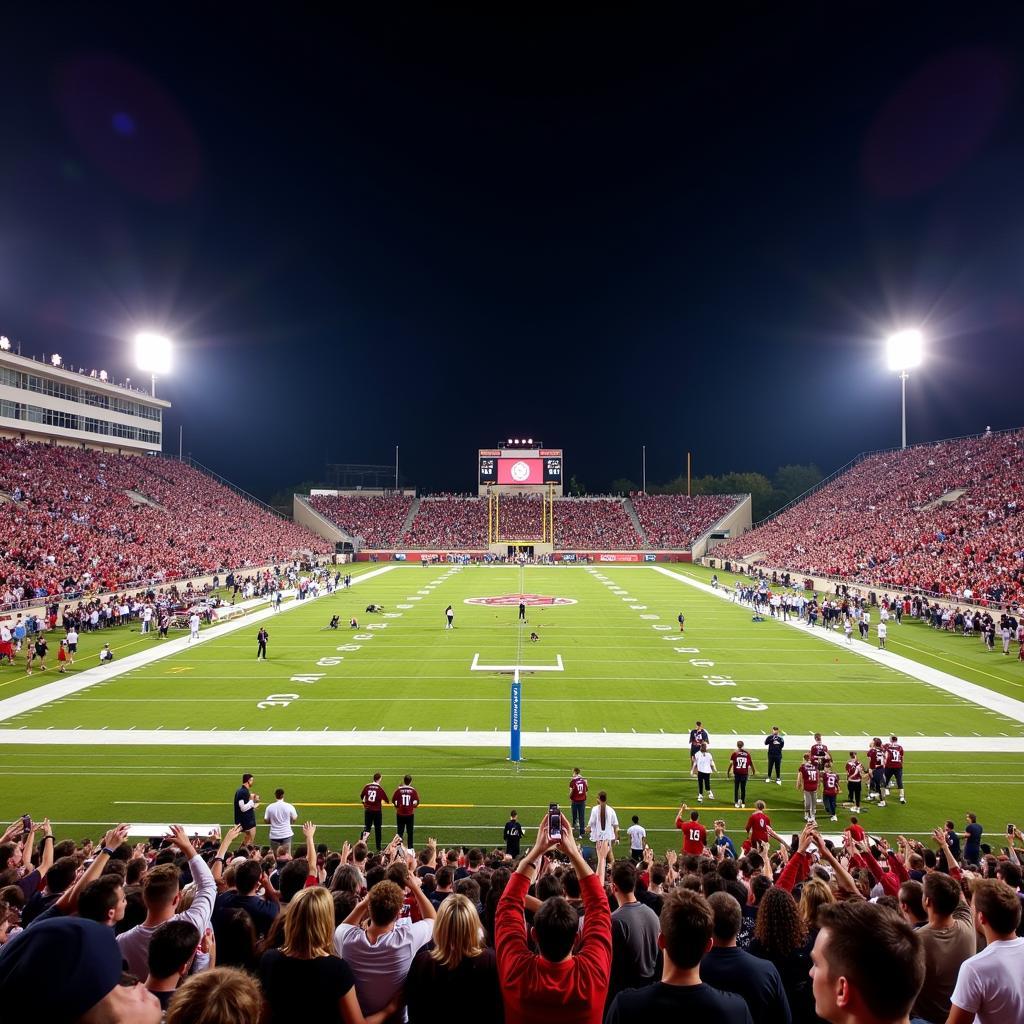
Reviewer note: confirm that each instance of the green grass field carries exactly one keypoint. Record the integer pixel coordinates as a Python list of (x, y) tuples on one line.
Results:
[(626, 673)]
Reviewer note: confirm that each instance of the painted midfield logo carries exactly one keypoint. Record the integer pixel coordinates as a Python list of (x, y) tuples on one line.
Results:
[(506, 600)]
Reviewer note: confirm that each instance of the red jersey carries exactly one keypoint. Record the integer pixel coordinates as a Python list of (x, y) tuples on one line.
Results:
[(876, 758), (830, 782), (740, 762), (405, 799), (893, 755), (694, 836), (809, 772), (578, 789), (373, 797), (757, 825), (819, 751), (854, 771), (857, 832)]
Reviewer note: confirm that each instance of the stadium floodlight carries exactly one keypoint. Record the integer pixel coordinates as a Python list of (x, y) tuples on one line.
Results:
[(905, 350), (55, 359), (153, 355)]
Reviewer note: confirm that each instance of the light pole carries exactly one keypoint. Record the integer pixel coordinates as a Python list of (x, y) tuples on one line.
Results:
[(153, 355), (904, 349)]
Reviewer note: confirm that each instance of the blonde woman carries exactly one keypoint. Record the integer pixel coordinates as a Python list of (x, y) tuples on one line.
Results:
[(304, 980), (455, 976), (814, 894)]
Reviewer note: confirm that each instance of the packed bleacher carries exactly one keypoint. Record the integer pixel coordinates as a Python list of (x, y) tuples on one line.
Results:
[(674, 521), (594, 523), (74, 520), (448, 521), (898, 519), (378, 520), (752, 926), (521, 517)]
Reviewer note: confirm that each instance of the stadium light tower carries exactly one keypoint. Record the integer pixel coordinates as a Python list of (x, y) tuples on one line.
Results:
[(153, 355), (904, 349)]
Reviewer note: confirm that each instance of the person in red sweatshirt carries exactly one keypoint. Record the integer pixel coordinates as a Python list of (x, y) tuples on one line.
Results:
[(556, 985)]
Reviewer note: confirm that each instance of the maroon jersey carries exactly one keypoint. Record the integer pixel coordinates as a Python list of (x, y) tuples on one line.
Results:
[(578, 789), (757, 825), (854, 771), (405, 799), (893, 755), (694, 836), (373, 797), (819, 751), (830, 782), (809, 773), (740, 762), (876, 758)]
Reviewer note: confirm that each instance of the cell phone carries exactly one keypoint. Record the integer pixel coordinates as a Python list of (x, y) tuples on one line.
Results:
[(26, 823), (1009, 830), (554, 821)]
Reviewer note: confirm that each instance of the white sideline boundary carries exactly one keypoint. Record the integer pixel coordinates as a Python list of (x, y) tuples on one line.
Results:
[(496, 739), (985, 698), (41, 695)]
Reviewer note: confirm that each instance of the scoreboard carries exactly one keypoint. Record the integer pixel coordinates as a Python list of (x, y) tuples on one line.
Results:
[(520, 467)]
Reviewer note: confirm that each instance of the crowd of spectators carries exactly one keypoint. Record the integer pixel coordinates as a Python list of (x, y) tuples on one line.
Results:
[(521, 517), (675, 521), (378, 520), (764, 929), (584, 524), (449, 521), (899, 519), (74, 521)]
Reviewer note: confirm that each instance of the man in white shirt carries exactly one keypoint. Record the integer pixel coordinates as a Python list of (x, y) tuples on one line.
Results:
[(160, 893), (703, 767), (279, 816), (193, 627), (990, 986), (381, 954)]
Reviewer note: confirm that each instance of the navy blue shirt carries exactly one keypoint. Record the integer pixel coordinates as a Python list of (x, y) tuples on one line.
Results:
[(757, 981)]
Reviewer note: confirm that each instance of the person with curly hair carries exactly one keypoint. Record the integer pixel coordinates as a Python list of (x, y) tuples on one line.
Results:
[(780, 935)]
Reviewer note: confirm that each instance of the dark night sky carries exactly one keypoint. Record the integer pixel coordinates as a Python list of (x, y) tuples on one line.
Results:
[(603, 232)]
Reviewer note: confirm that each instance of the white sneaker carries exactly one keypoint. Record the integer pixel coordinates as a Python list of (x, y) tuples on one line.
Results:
[(700, 799), (742, 804), (903, 799), (855, 810), (881, 803), (736, 804), (711, 796), (778, 782), (833, 818)]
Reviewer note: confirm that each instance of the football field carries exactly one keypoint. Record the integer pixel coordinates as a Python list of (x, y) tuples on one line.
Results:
[(610, 685)]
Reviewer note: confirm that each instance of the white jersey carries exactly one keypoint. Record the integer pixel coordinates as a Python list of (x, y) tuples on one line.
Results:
[(193, 623)]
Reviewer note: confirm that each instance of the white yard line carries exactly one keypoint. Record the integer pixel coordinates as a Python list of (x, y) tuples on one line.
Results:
[(31, 699), (381, 738), (976, 694)]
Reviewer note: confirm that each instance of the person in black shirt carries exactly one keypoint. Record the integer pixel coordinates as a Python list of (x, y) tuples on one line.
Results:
[(261, 644), (246, 803), (686, 928), (698, 735), (775, 742), (513, 833), (522, 611)]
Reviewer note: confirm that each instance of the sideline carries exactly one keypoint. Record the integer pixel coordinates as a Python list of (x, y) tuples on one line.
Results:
[(976, 694), (496, 739), (41, 695)]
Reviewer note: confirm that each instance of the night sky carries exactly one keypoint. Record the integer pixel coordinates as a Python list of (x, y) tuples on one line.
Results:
[(602, 232)]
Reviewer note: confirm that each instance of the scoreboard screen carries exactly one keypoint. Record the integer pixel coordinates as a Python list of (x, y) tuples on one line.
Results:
[(552, 471), (520, 471), (488, 470)]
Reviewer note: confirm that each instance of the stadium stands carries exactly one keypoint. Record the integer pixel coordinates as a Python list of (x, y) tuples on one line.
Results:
[(674, 521), (520, 517), (449, 521), (75, 520), (594, 523), (943, 518), (378, 520)]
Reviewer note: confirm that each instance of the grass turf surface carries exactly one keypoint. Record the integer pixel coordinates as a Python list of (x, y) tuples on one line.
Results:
[(621, 674)]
